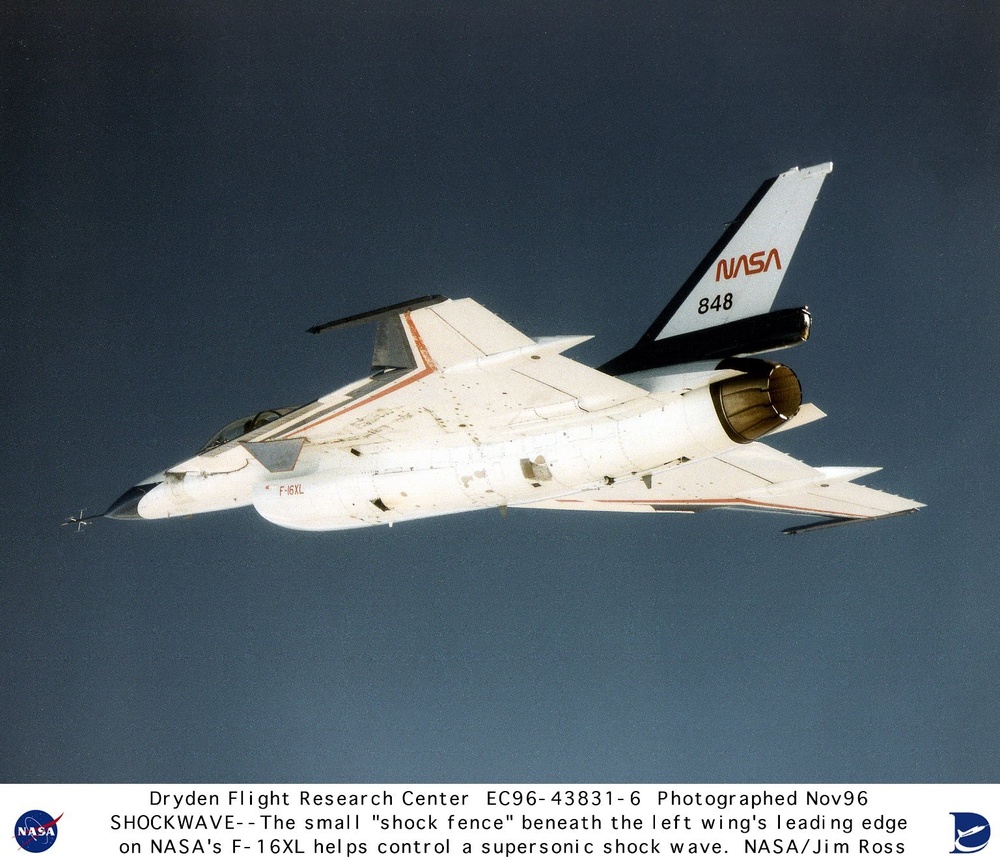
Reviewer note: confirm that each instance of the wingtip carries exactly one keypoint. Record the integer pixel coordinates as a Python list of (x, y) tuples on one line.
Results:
[(834, 522), (815, 170), (375, 315)]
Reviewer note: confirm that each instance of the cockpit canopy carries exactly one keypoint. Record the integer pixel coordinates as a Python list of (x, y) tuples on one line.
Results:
[(236, 429)]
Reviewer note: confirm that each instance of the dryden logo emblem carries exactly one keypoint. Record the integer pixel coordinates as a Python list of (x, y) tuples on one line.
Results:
[(36, 831), (972, 832)]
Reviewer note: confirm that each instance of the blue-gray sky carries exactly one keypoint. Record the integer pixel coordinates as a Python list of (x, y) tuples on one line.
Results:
[(185, 189)]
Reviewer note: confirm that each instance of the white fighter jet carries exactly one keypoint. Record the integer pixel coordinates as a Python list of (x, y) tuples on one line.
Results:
[(463, 412)]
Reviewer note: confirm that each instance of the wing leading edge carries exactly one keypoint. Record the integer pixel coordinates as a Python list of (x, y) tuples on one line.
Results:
[(454, 367)]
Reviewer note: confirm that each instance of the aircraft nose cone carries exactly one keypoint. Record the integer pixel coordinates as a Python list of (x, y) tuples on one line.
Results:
[(126, 506)]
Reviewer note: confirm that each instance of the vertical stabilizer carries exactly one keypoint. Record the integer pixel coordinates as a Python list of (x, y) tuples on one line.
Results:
[(724, 307), (741, 275)]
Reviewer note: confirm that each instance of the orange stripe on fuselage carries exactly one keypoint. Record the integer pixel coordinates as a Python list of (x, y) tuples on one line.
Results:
[(425, 358)]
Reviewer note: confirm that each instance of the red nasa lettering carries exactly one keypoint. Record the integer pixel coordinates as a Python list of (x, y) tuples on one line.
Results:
[(757, 262)]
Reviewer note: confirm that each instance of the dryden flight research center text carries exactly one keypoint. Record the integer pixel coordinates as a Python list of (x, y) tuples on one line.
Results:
[(512, 822)]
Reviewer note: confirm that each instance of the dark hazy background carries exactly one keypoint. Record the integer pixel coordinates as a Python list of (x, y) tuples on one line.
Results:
[(186, 188)]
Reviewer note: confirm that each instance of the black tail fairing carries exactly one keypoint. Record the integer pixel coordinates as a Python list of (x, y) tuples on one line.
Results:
[(762, 333)]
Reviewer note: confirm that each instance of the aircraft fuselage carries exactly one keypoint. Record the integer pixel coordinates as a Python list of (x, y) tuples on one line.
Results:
[(339, 486)]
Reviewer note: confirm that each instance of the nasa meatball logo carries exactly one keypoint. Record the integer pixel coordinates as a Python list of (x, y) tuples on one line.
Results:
[(36, 831)]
